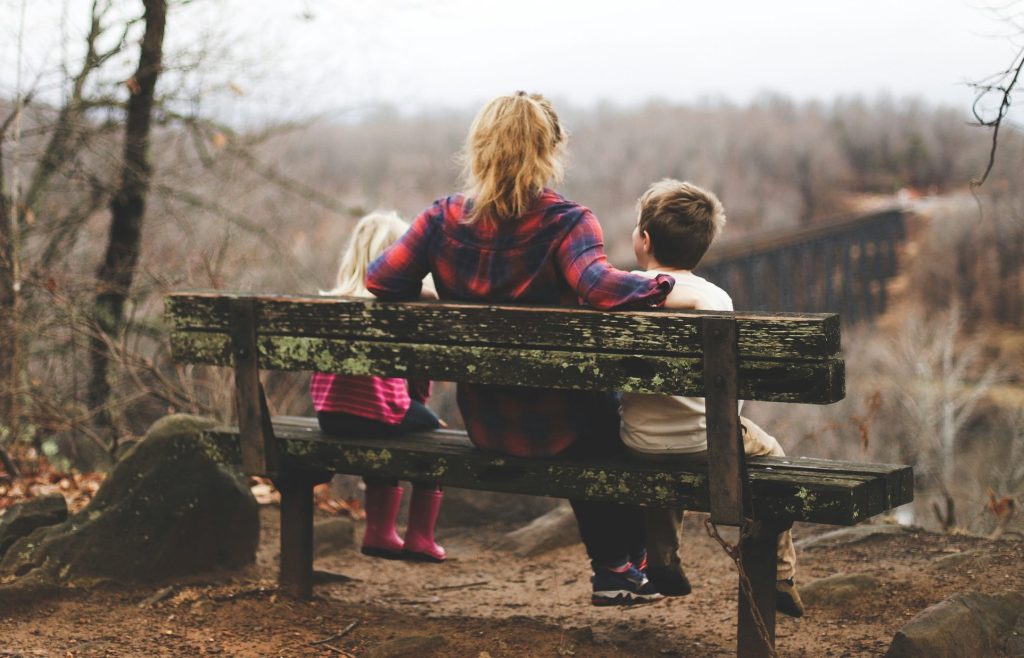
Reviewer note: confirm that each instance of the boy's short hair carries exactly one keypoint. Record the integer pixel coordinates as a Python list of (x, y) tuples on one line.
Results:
[(682, 220)]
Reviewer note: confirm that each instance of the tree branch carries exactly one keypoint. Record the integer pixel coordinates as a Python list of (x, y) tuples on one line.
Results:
[(1003, 83)]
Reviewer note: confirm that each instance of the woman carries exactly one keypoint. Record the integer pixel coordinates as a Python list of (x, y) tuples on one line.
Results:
[(509, 238)]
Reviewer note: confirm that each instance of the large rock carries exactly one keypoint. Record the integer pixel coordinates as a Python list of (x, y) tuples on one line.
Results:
[(21, 519), (470, 508), (166, 510), (969, 624), (836, 590), (553, 530), (852, 535)]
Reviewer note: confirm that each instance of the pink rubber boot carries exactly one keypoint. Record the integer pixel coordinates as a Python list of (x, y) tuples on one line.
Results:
[(419, 537), (380, 539)]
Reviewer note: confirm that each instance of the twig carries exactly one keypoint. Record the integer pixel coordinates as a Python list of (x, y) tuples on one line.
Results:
[(157, 597), (1013, 73), (9, 465), (336, 636), (462, 586), (339, 651)]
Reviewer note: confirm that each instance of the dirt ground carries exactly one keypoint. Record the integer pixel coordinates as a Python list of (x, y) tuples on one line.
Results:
[(486, 603)]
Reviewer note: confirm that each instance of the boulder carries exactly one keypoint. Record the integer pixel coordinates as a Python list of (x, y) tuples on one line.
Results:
[(165, 510), (21, 519), (836, 590), (967, 624), (470, 508), (553, 530), (856, 534)]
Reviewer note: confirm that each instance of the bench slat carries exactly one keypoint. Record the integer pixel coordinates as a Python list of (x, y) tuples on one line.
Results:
[(678, 333), (899, 478), (778, 381), (446, 456)]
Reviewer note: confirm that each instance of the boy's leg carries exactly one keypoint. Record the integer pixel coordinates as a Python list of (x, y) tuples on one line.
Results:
[(663, 526), (758, 443), (664, 566)]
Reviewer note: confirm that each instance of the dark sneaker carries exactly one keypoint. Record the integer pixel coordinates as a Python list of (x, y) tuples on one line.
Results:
[(628, 587), (669, 581), (787, 598)]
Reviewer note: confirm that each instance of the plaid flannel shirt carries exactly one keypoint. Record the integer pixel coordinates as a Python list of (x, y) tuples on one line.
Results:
[(553, 255)]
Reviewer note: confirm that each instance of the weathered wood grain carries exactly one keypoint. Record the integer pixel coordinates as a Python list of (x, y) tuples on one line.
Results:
[(250, 402), (446, 456), (817, 382), (675, 333), (899, 479), (726, 467)]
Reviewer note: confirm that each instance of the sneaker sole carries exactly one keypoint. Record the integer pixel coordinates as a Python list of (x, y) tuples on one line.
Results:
[(623, 597)]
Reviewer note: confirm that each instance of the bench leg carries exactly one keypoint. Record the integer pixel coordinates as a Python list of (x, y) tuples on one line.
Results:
[(296, 570), (759, 563)]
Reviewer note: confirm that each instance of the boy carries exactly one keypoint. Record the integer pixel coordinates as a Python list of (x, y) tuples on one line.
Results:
[(676, 224)]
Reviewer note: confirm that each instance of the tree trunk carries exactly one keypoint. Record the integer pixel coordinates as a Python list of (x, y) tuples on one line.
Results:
[(8, 322), (127, 209)]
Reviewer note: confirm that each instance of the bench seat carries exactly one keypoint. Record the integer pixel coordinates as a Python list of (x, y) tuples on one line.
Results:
[(782, 488)]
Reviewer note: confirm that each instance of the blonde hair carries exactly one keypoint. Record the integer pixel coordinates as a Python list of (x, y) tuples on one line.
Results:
[(513, 150), (682, 221), (372, 236)]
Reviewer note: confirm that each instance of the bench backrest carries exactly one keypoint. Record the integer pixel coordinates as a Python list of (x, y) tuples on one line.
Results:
[(780, 357)]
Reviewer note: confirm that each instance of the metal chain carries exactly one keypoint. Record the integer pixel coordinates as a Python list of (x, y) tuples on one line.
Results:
[(735, 553)]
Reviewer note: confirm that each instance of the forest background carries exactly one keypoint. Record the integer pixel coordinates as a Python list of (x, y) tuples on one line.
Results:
[(255, 202)]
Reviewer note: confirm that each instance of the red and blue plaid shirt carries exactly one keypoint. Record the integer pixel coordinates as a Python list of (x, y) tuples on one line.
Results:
[(552, 255)]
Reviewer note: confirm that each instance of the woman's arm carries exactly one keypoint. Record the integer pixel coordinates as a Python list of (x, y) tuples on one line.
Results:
[(398, 273), (583, 262)]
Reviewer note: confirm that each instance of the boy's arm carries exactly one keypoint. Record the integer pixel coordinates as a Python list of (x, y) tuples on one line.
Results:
[(429, 290), (682, 298)]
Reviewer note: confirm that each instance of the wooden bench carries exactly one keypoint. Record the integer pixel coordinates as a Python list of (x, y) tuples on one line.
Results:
[(722, 356)]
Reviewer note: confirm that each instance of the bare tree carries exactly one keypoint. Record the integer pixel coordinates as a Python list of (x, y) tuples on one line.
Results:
[(128, 206), (939, 377)]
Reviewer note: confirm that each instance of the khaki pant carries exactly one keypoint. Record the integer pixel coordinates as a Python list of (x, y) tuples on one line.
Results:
[(664, 525)]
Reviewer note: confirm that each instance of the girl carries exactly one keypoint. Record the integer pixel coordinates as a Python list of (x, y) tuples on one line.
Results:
[(348, 405), (510, 238)]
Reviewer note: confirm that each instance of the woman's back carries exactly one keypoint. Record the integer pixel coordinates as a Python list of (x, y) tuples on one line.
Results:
[(552, 255)]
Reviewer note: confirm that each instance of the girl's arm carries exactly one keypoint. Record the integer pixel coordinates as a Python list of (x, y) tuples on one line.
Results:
[(398, 273), (583, 262)]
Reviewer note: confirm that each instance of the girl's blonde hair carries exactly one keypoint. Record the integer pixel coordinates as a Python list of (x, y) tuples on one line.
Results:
[(513, 150), (372, 236)]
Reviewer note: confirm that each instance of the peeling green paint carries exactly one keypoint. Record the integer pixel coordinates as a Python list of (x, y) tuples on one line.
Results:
[(373, 459)]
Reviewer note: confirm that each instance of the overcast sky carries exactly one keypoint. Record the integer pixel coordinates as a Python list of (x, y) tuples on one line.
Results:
[(324, 56)]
